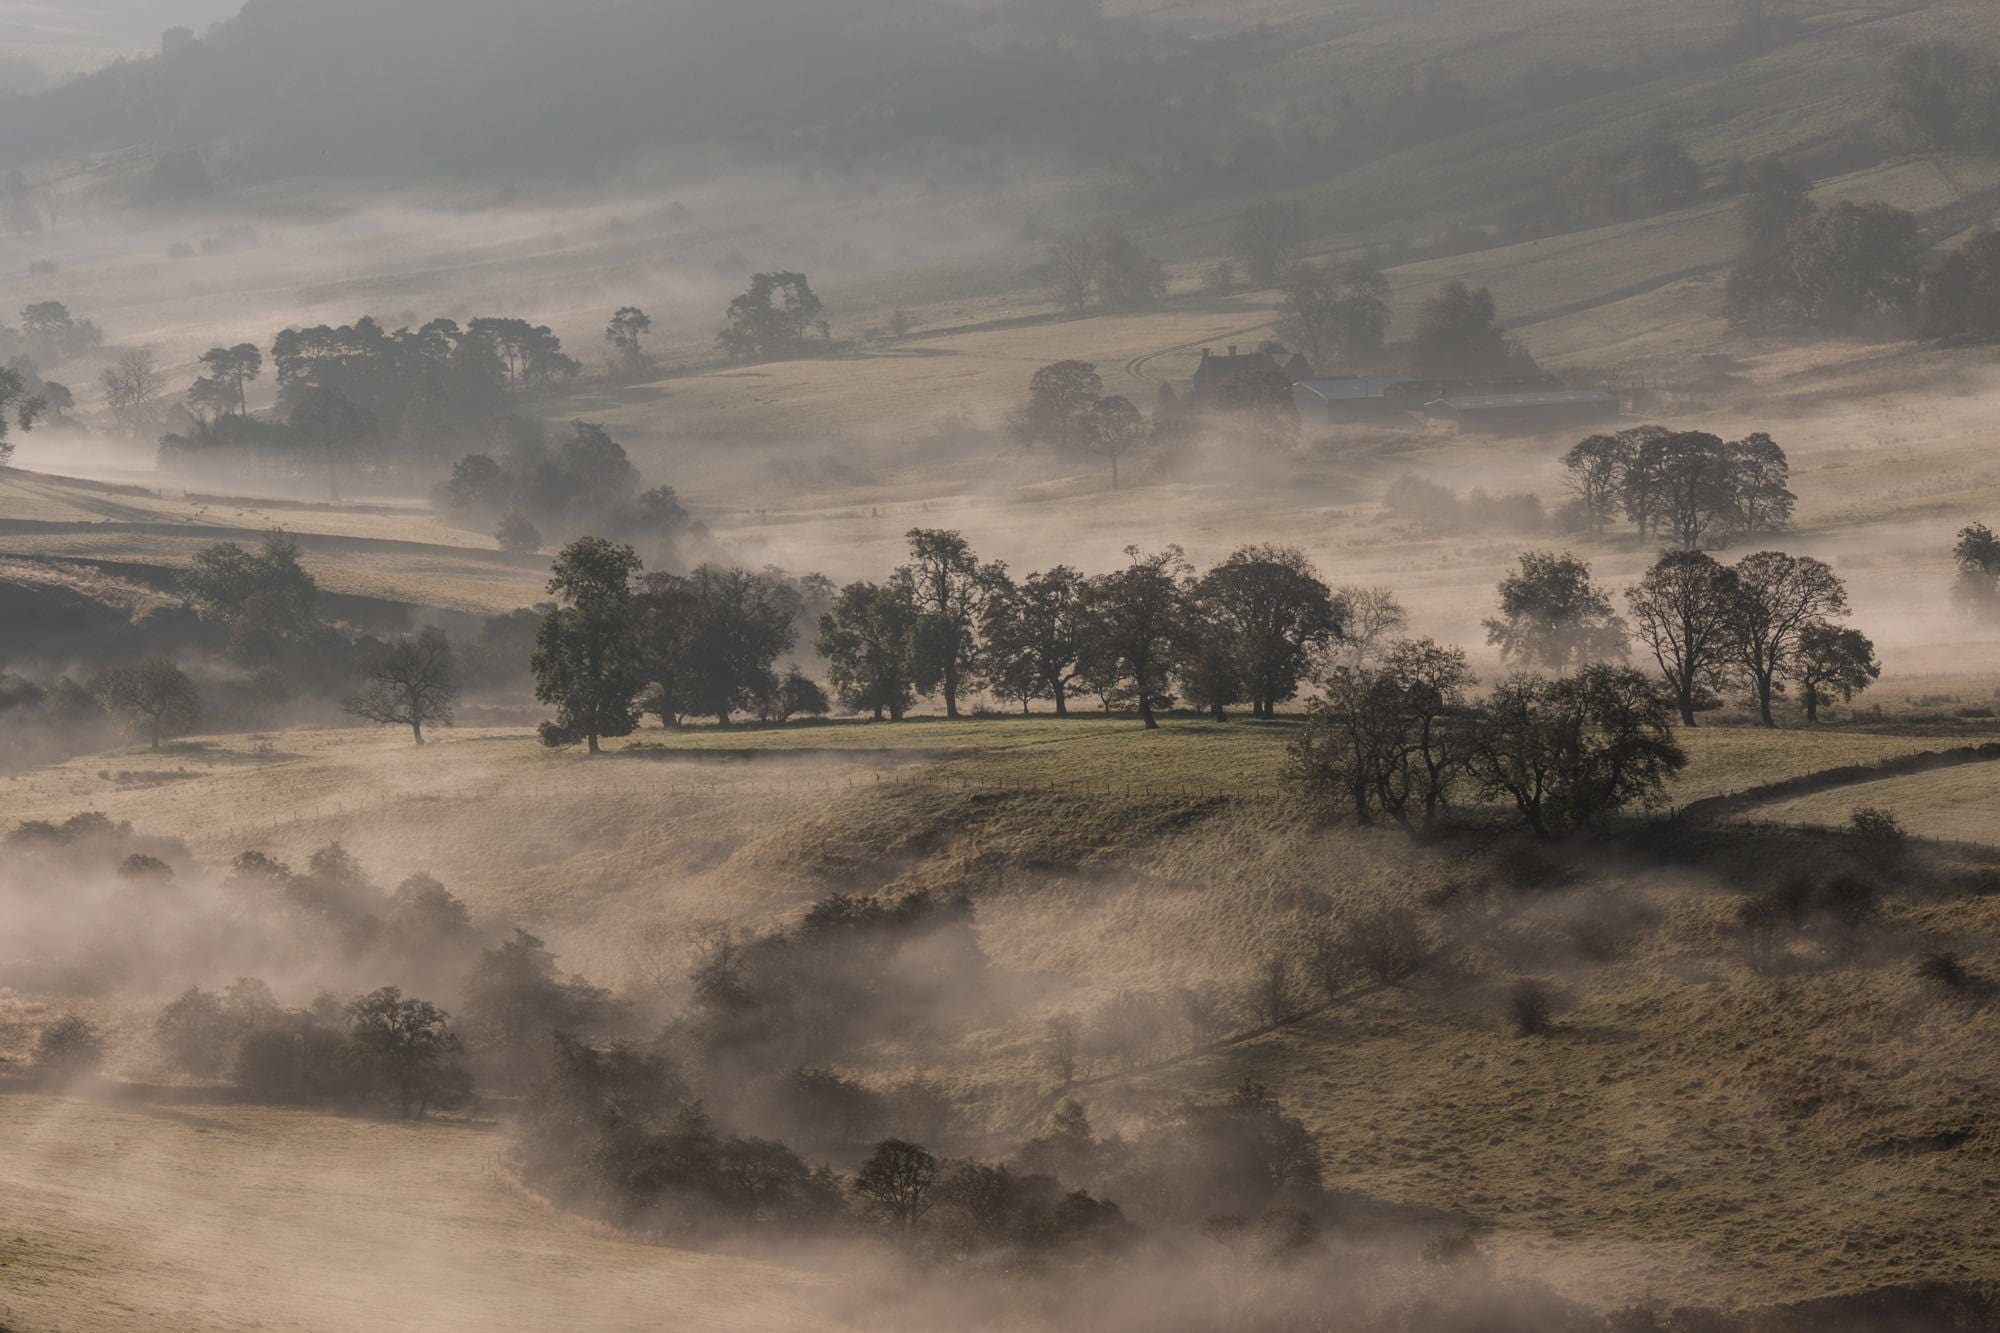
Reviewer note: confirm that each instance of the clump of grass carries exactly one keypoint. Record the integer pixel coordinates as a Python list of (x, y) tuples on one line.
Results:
[(1944, 968), (1531, 1007)]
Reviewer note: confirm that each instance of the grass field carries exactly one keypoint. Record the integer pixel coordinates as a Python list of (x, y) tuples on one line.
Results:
[(1958, 803), (147, 1216)]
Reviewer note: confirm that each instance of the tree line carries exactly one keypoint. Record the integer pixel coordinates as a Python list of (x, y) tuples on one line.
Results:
[(621, 643), (1689, 488)]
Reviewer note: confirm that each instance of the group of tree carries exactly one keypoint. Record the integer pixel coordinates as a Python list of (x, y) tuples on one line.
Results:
[(1655, 175), (49, 335), (358, 393), (618, 644), (1689, 488), (1763, 625), (542, 488), (1336, 314), (1105, 266), (1945, 98), (1458, 336), (381, 1049), (1834, 269), (1068, 410), (1247, 631), (770, 321)]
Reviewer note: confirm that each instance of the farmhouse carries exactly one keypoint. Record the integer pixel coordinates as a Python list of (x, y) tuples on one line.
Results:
[(1523, 411), (1216, 371)]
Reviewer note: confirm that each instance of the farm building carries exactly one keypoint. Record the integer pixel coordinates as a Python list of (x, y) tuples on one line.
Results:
[(1354, 398), (1216, 371), (1523, 412)]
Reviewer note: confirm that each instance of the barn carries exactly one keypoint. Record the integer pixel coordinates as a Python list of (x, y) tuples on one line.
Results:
[(1523, 413), (1216, 371), (1331, 402)]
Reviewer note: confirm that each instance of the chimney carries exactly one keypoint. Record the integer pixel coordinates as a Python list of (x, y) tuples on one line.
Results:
[(1232, 349)]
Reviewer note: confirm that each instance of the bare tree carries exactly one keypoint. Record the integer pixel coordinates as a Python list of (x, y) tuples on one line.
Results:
[(131, 387), (1374, 617), (413, 684), (1070, 264)]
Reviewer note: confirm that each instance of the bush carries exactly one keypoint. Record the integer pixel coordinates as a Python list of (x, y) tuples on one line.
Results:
[(1531, 1007), (69, 1048), (1386, 945), (1944, 968), (1879, 838)]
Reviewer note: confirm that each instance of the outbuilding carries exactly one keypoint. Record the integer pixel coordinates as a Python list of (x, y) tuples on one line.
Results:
[(1524, 413)]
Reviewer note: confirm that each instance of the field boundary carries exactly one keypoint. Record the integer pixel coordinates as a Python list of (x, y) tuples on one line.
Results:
[(1712, 808)]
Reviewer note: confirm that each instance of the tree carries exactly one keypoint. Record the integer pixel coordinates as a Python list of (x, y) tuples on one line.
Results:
[(270, 587), (1334, 315), (226, 374), (1774, 198), (1275, 614), (1110, 429), (948, 586), (69, 1048), (587, 660), (626, 333), (516, 535), (514, 1002), (1553, 614), (1976, 588), (26, 407), (1391, 741), (1374, 619), (769, 321), (413, 683), (155, 697), (327, 421), (1834, 270), (1070, 265), (1832, 661), (1779, 597), (1759, 477), (1457, 337), (868, 641), (709, 640), (404, 1051), (796, 695), (1694, 495), (1061, 398), (1684, 611), (131, 387), (1128, 277), (1265, 239), (1933, 90), (1039, 622), (1595, 469), (1568, 750), (898, 1181), (1961, 296), (1133, 616)]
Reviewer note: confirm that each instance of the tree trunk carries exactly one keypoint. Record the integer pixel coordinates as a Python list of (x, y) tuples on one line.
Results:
[(950, 692), (1687, 709), (1062, 709), (1218, 713), (417, 730), (591, 742), (1764, 703), (1812, 705)]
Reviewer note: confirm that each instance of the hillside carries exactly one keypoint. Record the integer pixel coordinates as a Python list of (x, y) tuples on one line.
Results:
[(1696, 1126)]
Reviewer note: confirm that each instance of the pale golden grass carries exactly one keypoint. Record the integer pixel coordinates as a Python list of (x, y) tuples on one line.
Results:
[(143, 1216), (1961, 803)]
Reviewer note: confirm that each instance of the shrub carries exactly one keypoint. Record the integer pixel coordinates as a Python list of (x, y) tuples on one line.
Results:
[(1943, 967), (69, 1048), (1879, 838), (1531, 1007), (1386, 945)]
